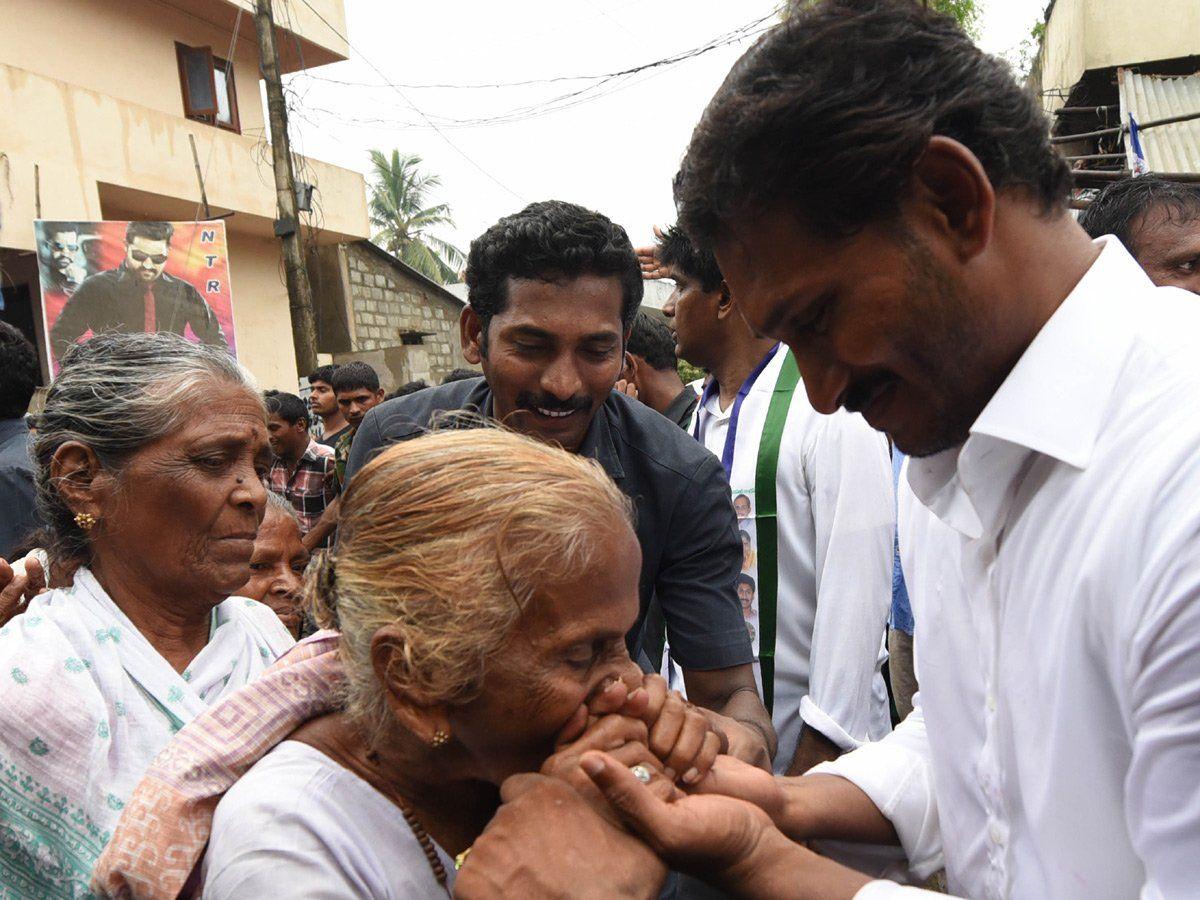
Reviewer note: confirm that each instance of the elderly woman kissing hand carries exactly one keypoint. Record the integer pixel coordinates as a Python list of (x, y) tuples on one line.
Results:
[(483, 584)]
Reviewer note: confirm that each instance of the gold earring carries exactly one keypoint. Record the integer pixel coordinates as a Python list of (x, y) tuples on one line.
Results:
[(440, 739), (85, 521)]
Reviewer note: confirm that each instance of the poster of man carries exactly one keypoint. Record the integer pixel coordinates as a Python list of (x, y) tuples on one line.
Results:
[(134, 276)]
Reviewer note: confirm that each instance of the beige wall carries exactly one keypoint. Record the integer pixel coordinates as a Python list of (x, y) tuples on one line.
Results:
[(122, 48), (1098, 34), (260, 311)]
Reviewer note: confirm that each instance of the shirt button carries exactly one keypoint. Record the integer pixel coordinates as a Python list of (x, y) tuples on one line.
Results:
[(996, 833), (991, 702)]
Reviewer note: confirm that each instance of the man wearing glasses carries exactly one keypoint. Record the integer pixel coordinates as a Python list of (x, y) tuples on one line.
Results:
[(65, 270), (137, 296)]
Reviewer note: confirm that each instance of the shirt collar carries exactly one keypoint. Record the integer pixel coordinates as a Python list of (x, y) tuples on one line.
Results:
[(1053, 402), (598, 443)]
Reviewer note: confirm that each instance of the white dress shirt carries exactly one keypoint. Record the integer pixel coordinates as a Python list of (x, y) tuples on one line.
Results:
[(834, 498), (1053, 562)]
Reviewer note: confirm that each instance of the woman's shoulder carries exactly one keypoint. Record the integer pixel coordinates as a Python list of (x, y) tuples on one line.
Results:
[(299, 815)]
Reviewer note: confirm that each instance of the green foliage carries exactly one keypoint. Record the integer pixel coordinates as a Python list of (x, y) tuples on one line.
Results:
[(687, 372), (402, 220), (966, 12)]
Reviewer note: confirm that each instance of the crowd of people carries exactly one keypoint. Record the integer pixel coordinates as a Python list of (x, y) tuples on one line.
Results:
[(566, 626)]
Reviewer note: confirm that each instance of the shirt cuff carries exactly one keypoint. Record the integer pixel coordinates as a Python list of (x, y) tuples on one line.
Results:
[(816, 718), (889, 890), (899, 782)]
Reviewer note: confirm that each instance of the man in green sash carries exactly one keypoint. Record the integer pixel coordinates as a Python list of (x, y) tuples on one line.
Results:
[(813, 495)]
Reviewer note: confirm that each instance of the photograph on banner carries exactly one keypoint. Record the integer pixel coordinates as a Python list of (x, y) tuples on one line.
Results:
[(134, 276)]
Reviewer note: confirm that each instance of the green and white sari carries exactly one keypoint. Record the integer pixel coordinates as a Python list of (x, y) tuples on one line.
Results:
[(86, 704)]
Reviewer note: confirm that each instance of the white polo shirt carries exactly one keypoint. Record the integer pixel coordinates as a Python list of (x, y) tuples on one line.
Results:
[(1053, 563)]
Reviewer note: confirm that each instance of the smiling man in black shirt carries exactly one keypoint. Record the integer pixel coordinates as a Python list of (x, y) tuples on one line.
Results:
[(553, 293)]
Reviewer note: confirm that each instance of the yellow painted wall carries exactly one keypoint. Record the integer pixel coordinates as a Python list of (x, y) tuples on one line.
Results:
[(1099, 34)]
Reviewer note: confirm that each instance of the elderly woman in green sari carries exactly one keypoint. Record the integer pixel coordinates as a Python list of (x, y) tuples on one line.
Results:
[(152, 502)]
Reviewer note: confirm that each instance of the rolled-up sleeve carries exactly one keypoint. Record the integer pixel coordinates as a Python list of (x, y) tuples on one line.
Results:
[(854, 522), (696, 580), (896, 773)]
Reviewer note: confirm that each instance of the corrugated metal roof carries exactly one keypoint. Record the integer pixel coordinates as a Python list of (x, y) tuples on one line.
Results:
[(1168, 148)]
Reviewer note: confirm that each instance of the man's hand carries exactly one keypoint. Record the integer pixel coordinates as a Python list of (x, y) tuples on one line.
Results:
[(546, 841), (731, 777), (651, 267), (17, 589), (628, 388), (726, 842), (746, 742), (732, 694), (621, 737)]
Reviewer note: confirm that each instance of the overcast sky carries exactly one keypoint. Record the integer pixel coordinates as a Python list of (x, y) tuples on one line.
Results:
[(616, 153)]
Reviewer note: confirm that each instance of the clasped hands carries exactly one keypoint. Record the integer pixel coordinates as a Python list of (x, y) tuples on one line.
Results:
[(585, 826)]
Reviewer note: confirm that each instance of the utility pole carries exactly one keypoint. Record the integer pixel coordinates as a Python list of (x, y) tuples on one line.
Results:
[(287, 226)]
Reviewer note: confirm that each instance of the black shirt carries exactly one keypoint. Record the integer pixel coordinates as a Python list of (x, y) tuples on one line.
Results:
[(330, 439), (691, 553), (116, 301), (681, 408), (18, 512)]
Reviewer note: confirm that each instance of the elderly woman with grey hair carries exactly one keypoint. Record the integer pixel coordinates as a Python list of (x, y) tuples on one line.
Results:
[(152, 504)]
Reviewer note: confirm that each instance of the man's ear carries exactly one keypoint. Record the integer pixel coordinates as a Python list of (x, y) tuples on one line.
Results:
[(630, 371), (724, 301), (78, 476), (379, 395), (952, 197), (470, 329), (416, 713)]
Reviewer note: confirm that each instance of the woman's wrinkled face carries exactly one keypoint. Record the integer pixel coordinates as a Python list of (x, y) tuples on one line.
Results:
[(277, 568), (182, 518), (569, 644)]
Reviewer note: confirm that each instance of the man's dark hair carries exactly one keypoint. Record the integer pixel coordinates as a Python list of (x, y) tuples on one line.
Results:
[(323, 373), (677, 250), (287, 406), (52, 228), (828, 113), (19, 372), (549, 241), (459, 375), (153, 231), (743, 578), (651, 340), (1121, 206), (410, 387), (354, 376)]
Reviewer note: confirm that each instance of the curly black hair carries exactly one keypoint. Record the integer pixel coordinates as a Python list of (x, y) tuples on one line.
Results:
[(651, 340), (19, 372), (549, 241), (677, 250), (829, 112), (1121, 205)]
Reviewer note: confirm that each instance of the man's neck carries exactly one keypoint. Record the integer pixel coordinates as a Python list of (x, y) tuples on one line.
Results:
[(740, 359), (658, 389), (334, 422), (291, 460)]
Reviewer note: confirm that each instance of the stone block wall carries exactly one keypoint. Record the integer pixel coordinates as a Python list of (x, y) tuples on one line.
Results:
[(387, 300)]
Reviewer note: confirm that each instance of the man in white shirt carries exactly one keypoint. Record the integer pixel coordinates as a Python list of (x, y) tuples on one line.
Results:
[(813, 497), (883, 197)]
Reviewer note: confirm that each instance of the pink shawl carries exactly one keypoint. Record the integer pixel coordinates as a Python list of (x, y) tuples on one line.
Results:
[(164, 828)]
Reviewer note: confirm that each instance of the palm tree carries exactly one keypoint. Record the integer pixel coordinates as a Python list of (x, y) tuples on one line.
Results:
[(398, 212)]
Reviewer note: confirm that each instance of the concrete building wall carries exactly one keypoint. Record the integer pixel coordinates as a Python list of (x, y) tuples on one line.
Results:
[(1098, 34), (386, 301)]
